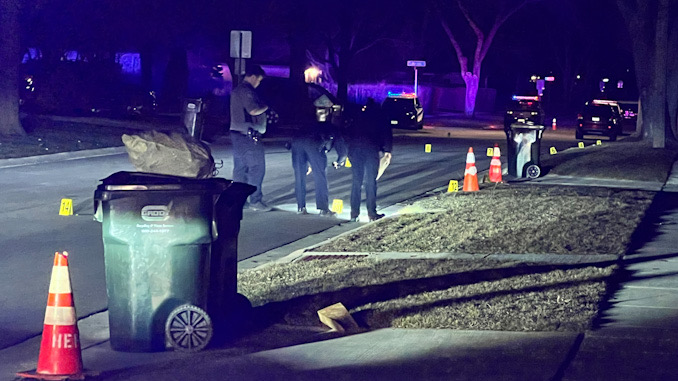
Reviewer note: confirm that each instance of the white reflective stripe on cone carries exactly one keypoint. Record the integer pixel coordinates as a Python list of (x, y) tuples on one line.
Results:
[(497, 152), (471, 171), (60, 282), (59, 316), (470, 158)]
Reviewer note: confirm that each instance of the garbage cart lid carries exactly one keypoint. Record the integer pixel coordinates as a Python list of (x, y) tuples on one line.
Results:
[(132, 181), (527, 126)]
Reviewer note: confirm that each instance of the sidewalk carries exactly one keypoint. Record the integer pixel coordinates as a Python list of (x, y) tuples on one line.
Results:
[(636, 339)]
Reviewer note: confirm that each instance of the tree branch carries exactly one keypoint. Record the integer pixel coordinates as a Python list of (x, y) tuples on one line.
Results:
[(498, 22), (480, 43), (463, 61)]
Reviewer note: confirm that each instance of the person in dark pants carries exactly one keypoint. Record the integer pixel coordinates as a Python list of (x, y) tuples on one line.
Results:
[(248, 124), (309, 147), (369, 139)]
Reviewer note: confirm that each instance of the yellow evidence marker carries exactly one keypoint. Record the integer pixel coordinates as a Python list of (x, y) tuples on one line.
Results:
[(453, 187), (427, 148), (66, 208), (348, 163), (598, 142), (337, 205), (490, 151), (581, 144), (553, 151)]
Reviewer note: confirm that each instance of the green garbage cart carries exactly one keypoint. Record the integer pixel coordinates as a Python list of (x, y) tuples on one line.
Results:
[(170, 254)]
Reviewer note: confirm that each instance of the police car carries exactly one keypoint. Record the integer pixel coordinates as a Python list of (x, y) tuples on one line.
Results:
[(403, 110), (524, 109)]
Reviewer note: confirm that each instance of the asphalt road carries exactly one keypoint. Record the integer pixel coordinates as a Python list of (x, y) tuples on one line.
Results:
[(32, 230)]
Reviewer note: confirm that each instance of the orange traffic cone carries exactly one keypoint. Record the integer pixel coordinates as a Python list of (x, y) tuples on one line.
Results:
[(60, 357), (471, 173), (495, 166)]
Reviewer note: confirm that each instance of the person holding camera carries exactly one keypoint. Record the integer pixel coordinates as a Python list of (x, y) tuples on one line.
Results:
[(248, 124)]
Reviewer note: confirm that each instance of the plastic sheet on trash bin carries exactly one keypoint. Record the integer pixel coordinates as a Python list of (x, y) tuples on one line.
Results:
[(175, 154), (524, 149)]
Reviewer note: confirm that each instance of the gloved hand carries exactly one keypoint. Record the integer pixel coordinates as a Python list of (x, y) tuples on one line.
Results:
[(341, 162)]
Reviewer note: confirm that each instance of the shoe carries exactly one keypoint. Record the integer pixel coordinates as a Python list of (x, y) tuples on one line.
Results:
[(302, 211), (327, 213), (353, 219), (376, 217), (261, 207)]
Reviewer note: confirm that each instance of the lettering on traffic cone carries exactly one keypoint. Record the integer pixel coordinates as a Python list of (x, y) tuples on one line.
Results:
[(471, 172), (60, 356), (495, 166)]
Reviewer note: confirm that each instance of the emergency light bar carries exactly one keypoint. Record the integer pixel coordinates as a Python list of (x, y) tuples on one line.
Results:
[(525, 98), (402, 95), (604, 102)]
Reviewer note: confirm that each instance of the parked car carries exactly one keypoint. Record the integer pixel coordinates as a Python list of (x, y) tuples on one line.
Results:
[(403, 110), (524, 109), (600, 117), (317, 104), (629, 109)]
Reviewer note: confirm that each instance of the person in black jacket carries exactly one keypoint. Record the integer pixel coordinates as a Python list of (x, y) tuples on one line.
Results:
[(311, 140), (369, 139), (309, 147)]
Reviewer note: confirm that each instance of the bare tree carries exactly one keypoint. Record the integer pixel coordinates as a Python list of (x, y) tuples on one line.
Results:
[(355, 28), (648, 24), (470, 71), (9, 70)]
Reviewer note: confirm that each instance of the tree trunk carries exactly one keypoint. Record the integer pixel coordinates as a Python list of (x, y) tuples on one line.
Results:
[(345, 22), (648, 27), (9, 70), (298, 46), (672, 76), (661, 45), (471, 80)]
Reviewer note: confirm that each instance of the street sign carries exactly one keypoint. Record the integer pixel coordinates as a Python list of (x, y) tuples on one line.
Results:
[(241, 44), (416, 63)]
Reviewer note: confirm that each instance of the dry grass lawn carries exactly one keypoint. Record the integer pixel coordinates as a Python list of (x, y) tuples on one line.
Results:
[(516, 219)]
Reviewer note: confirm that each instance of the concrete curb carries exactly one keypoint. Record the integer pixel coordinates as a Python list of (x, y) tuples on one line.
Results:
[(61, 156), (564, 259)]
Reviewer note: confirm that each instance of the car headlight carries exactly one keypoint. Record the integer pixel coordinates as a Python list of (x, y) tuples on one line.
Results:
[(534, 113)]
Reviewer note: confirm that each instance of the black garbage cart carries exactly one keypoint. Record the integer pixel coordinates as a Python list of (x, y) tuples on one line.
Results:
[(170, 254)]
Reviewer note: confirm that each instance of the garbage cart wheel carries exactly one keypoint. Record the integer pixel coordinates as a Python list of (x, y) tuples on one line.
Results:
[(188, 328), (533, 171)]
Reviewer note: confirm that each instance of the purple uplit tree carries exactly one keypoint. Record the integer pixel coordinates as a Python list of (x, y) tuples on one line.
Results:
[(654, 33), (470, 71), (9, 70)]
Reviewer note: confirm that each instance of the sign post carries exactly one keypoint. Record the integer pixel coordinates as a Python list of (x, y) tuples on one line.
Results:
[(415, 65), (241, 48)]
